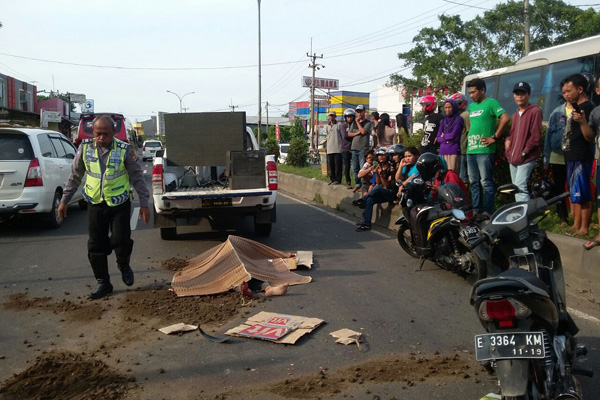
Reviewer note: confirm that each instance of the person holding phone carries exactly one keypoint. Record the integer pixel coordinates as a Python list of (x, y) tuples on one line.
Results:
[(577, 146)]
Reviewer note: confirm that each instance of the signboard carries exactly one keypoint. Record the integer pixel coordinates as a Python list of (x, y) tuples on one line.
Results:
[(160, 124), (321, 97), (77, 98), (87, 106), (321, 83), (277, 133), (49, 116)]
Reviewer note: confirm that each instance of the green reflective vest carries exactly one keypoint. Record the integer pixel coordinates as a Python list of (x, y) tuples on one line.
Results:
[(112, 186)]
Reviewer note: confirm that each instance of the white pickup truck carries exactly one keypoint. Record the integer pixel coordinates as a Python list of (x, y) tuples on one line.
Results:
[(184, 194)]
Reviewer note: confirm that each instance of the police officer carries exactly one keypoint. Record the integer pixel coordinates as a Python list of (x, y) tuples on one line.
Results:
[(110, 170)]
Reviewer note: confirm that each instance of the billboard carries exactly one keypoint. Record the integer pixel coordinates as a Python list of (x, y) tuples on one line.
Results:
[(321, 83)]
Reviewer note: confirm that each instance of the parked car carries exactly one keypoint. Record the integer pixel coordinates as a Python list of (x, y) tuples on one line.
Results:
[(149, 149), (283, 150), (86, 131), (35, 164)]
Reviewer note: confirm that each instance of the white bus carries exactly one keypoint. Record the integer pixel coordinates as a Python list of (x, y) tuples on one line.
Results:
[(543, 70)]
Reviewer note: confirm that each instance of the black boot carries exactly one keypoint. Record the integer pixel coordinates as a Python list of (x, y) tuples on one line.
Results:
[(126, 271), (99, 265)]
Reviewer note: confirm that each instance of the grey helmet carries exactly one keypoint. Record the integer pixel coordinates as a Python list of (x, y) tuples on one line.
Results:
[(348, 112)]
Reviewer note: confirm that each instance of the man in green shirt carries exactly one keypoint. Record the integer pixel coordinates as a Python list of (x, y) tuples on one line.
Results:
[(481, 145)]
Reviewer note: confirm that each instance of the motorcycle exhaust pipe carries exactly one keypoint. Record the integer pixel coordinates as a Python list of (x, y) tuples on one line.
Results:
[(569, 396), (573, 392)]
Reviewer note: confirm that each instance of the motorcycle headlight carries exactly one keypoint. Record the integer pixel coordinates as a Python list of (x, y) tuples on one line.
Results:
[(511, 215)]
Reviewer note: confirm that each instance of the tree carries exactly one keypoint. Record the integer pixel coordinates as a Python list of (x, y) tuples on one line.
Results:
[(442, 57)]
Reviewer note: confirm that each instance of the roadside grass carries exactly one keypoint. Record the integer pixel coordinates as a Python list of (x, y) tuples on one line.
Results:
[(551, 223), (307, 172)]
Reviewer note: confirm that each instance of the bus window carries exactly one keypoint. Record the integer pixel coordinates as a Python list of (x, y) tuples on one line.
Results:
[(553, 74), (508, 82), (490, 88)]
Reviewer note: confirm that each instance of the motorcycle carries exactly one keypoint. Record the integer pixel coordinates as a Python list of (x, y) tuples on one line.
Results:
[(438, 231), (530, 340)]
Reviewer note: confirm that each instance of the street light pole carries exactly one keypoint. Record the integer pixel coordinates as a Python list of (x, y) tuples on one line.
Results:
[(180, 99), (259, 78)]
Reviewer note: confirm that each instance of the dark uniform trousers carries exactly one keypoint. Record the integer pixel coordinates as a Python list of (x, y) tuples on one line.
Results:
[(102, 220)]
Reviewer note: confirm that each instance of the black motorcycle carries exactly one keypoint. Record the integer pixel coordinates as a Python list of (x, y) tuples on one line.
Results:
[(531, 337), (438, 231)]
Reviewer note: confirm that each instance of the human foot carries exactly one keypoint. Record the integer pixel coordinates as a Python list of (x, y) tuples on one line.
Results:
[(276, 290), (581, 232), (590, 244)]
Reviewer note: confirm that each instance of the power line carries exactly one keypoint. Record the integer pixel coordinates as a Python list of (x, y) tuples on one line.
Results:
[(466, 5)]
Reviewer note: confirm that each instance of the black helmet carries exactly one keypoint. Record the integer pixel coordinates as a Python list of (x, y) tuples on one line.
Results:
[(395, 149), (428, 164), (451, 196), (541, 188)]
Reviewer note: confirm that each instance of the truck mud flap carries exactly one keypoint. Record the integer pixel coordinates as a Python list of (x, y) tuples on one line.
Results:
[(265, 217), (164, 221)]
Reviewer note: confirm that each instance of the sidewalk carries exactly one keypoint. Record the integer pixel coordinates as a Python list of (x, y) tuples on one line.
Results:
[(581, 267)]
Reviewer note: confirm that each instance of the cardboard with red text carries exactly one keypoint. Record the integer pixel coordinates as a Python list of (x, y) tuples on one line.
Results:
[(277, 328)]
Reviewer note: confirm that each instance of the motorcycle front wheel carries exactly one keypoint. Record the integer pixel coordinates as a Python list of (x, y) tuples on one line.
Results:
[(405, 241)]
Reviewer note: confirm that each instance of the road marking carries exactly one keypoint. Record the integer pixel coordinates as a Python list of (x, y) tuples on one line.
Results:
[(332, 214), (134, 218), (583, 315), (145, 171)]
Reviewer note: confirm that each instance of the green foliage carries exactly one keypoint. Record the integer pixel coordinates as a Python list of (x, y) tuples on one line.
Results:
[(297, 129), (271, 147), (318, 198), (298, 151), (285, 134), (414, 140), (442, 57)]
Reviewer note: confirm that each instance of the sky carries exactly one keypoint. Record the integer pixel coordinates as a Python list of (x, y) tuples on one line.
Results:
[(126, 54)]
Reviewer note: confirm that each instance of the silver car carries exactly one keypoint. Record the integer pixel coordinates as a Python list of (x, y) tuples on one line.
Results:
[(35, 164)]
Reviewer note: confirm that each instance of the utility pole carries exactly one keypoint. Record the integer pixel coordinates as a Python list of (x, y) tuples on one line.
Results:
[(233, 107), (314, 67), (259, 78), (526, 24)]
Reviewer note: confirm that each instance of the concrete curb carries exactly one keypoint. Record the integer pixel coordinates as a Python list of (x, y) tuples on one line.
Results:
[(581, 267)]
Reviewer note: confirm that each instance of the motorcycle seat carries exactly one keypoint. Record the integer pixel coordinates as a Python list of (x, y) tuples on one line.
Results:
[(514, 279)]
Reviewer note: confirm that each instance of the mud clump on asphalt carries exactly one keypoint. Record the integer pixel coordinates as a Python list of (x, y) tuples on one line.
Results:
[(174, 264), (163, 304), (409, 370), (82, 311), (65, 375)]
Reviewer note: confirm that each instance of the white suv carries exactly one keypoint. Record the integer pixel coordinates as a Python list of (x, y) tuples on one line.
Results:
[(149, 149), (35, 164)]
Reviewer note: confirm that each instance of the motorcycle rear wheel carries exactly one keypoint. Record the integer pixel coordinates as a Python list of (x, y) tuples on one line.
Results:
[(405, 241)]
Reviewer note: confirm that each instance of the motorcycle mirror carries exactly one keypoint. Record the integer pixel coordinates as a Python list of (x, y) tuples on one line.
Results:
[(459, 214), (509, 188)]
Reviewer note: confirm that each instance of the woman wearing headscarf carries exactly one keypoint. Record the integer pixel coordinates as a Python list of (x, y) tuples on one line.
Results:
[(449, 135), (386, 135)]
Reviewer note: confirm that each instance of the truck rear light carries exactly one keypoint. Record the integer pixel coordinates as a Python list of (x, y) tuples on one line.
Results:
[(34, 174), (272, 175), (503, 310), (157, 179)]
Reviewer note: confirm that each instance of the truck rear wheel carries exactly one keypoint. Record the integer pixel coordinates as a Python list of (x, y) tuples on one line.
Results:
[(168, 233), (263, 229)]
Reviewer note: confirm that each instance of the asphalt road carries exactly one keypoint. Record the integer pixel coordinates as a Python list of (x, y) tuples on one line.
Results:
[(361, 281)]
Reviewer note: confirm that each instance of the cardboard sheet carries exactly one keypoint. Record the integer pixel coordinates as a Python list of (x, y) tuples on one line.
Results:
[(176, 328), (347, 336), (276, 328)]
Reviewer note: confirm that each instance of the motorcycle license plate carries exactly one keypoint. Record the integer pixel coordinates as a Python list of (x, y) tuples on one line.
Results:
[(219, 202), (497, 346), (470, 233)]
